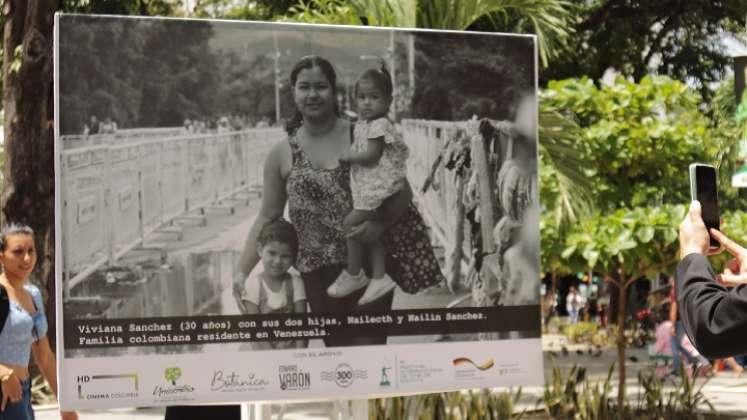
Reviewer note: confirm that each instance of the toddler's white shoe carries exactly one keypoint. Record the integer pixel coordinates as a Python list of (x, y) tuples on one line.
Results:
[(347, 283), (376, 289)]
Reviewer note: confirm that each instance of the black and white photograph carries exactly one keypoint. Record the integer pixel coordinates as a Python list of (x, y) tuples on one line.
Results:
[(232, 187)]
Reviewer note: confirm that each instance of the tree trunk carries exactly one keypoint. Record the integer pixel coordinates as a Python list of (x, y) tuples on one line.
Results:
[(621, 344), (28, 189), (614, 302)]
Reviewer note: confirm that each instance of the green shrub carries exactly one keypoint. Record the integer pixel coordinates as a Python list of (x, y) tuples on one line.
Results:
[(470, 405), (583, 332), (574, 397), (601, 338), (683, 402), (567, 395)]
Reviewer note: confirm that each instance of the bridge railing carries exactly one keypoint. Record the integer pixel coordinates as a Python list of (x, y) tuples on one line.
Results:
[(426, 140), (120, 136), (439, 191), (440, 178), (114, 196)]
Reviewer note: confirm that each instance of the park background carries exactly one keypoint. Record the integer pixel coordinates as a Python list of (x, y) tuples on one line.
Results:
[(631, 93)]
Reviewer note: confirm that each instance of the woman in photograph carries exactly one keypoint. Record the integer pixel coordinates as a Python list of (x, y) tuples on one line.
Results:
[(305, 172), (25, 328)]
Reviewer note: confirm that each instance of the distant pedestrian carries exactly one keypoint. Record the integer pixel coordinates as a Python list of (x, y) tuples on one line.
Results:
[(676, 331), (549, 302), (95, 126), (202, 412), (573, 304), (592, 307)]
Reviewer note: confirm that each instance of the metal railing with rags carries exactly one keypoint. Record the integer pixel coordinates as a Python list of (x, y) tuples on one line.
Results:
[(454, 169)]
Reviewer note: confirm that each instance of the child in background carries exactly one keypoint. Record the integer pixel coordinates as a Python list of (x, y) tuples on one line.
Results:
[(377, 158), (275, 290), (662, 346)]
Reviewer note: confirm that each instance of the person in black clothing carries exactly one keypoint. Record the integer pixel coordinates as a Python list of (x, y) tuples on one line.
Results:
[(95, 126), (201, 412), (713, 308)]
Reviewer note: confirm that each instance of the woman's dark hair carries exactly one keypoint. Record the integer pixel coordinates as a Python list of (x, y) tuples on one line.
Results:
[(282, 231), (306, 63), (13, 229), (380, 78)]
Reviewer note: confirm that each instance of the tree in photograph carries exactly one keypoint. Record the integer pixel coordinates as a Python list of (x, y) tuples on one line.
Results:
[(180, 74), (94, 81), (456, 87), (173, 73), (246, 86)]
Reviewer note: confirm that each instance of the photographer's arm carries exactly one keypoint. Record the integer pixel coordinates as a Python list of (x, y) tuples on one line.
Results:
[(714, 317)]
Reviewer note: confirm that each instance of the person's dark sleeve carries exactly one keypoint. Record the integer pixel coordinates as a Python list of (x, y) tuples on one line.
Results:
[(714, 317)]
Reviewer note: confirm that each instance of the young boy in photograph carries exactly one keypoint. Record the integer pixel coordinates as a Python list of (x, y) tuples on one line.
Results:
[(274, 290)]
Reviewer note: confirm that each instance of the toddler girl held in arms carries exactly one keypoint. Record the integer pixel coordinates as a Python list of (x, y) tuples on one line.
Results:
[(377, 170)]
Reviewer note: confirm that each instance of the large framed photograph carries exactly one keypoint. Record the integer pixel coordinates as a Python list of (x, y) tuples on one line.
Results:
[(256, 211)]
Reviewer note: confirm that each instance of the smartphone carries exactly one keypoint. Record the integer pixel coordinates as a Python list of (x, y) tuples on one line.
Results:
[(704, 189)]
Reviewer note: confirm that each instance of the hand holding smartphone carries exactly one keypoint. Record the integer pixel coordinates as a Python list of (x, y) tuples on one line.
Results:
[(703, 188)]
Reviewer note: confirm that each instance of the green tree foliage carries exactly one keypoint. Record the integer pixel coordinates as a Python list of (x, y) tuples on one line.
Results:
[(637, 139), (354, 12), (550, 20), (123, 7), (634, 143), (241, 10), (566, 189), (639, 37), (635, 242), (731, 127)]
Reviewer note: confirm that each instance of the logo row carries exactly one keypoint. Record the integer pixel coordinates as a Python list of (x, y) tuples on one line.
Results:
[(290, 377), (175, 388)]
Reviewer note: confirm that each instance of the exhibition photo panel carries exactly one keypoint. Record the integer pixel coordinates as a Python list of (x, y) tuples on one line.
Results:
[(250, 211)]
